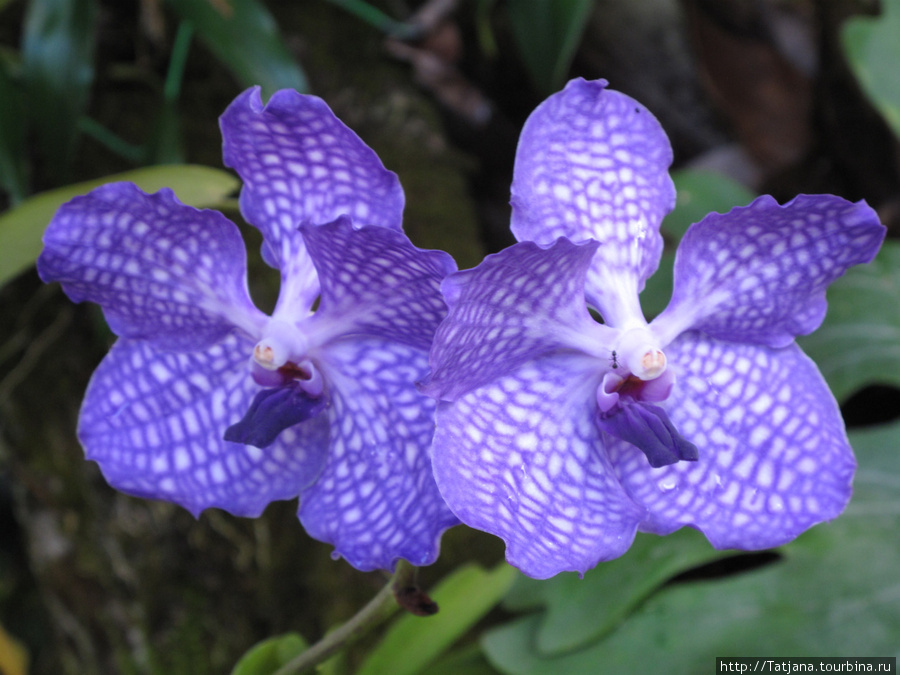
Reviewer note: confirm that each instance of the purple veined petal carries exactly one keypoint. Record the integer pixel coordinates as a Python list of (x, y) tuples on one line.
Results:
[(376, 283), (517, 305), (522, 458), (774, 456), (758, 274), (154, 421), (594, 163), (376, 500), (161, 271), (301, 165)]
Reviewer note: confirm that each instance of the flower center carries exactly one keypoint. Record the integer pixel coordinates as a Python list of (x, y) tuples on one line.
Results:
[(639, 351), (293, 388), (282, 357)]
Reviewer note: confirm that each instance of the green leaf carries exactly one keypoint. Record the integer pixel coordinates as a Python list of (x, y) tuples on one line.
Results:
[(547, 33), (834, 593), (580, 611), (413, 642), (699, 193), (859, 342), (12, 139), (269, 655), (466, 661), (57, 68), (243, 35), (21, 228), (873, 51), (378, 19)]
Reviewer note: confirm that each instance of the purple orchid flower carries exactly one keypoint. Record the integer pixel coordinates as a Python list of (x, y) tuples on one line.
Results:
[(564, 436), (206, 401)]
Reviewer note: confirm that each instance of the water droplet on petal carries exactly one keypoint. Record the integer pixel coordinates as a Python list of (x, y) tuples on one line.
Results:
[(667, 484)]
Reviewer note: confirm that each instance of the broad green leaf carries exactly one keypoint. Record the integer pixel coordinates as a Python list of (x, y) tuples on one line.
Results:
[(12, 139), (21, 228), (579, 611), (859, 342), (699, 193), (466, 661), (243, 35), (872, 46), (412, 642), (835, 592), (547, 33), (269, 655), (58, 69)]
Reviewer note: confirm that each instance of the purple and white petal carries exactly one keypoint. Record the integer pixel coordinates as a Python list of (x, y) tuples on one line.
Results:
[(522, 458), (758, 274), (517, 305), (376, 500), (594, 163), (161, 271), (774, 456), (154, 422), (376, 283), (301, 165)]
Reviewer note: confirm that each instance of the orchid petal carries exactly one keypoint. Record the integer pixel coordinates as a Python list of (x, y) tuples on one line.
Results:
[(758, 274), (376, 283), (515, 306), (523, 458), (154, 423), (161, 271), (774, 456), (376, 500), (301, 165), (593, 163)]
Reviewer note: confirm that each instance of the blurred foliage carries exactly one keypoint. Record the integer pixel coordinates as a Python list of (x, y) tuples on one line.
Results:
[(244, 35), (57, 71), (873, 50), (547, 33), (376, 18), (46, 97), (12, 140), (270, 655)]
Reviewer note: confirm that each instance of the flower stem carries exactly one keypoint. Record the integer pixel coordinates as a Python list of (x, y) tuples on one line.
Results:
[(377, 610)]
